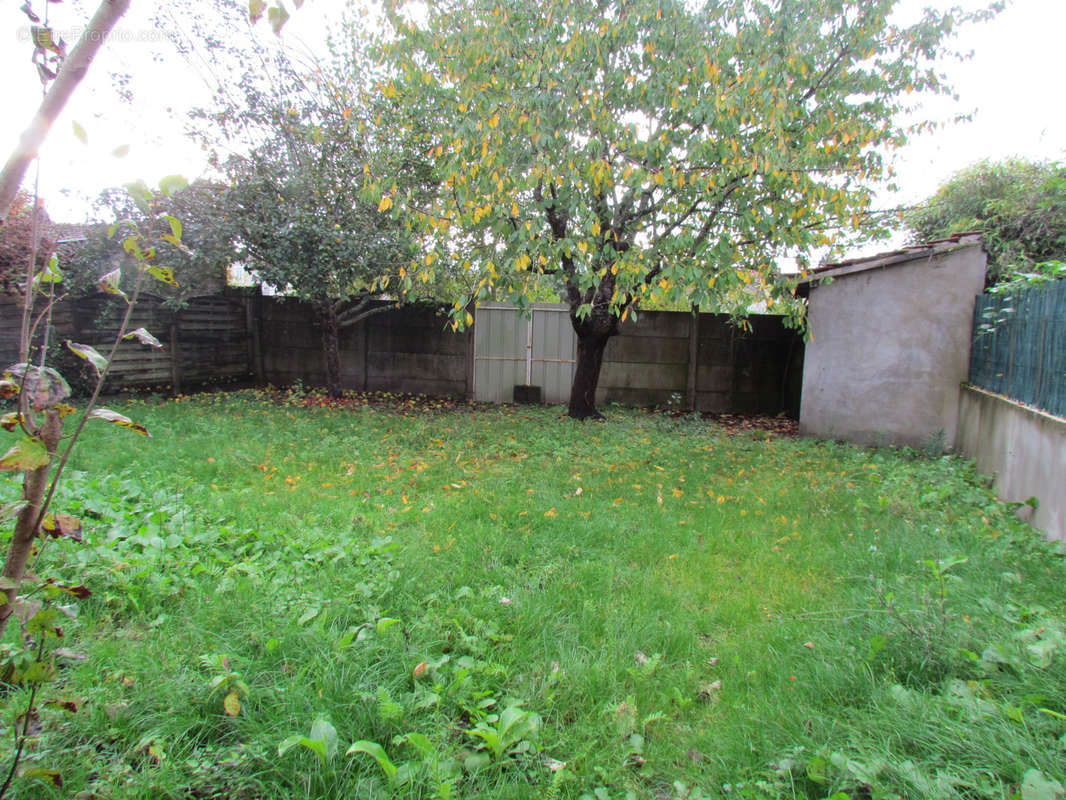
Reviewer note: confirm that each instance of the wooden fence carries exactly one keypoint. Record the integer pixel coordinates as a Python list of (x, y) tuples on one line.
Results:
[(667, 358), (1019, 346)]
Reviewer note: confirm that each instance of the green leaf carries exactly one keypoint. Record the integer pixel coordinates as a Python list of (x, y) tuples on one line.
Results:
[(50, 274), (162, 274), (175, 226), (318, 748), (141, 195), (27, 453), (322, 730), (107, 415), (1036, 786), (79, 132), (256, 9), (377, 752), (170, 185), (144, 337), (278, 16), (384, 624), (121, 151), (90, 354), (110, 283)]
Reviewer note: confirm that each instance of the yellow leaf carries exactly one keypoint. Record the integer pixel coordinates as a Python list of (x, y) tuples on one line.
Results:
[(494, 121), (514, 209), (232, 704), (583, 247), (469, 319), (385, 204), (430, 258), (551, 513), (521, 262)]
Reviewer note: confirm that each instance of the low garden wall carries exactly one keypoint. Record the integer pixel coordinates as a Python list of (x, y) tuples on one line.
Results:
[(1023, 448)]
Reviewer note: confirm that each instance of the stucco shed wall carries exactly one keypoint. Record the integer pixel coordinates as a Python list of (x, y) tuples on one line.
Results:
[(890, 346)]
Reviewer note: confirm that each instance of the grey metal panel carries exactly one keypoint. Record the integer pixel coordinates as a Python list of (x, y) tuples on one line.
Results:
[(499, 353), (501, 339), (554, 353)]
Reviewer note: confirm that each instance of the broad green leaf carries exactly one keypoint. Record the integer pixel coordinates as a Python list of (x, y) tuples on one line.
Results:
[(170, 185), (110, 283), (377, 752), (384, 624), (144, 337), (107, 415), (162, 274), (121, 151), (27, 453), (322, 730), (79, 132), (277, 15), (1036, 786), (175, 226), (90, 354), (50, 274), (318, 748)]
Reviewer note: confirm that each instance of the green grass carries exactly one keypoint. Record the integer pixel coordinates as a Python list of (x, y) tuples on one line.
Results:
[(671, 611)]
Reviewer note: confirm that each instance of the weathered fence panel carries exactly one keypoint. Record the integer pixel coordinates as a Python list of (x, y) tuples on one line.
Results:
[(1019, 346), (663, 358)]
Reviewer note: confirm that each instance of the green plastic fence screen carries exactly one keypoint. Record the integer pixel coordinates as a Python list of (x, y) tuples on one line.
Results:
[(1019, 346)]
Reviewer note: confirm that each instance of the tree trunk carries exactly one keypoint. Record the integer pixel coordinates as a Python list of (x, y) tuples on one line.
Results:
[(70, 74), (593, 332), (331, 347), (33, 491)]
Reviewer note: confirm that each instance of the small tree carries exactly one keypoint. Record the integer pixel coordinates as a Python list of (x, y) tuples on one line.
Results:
[(649, 148), (298, 219), (202, 261), (1019, 206)]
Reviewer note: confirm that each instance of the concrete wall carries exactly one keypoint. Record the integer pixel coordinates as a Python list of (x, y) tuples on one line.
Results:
[(1023, 448), (890, 345)]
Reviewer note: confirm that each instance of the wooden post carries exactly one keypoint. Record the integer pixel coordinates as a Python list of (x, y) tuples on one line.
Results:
[(253, 317), (175, 355), (693, 359), (470, 332), (364, 325)]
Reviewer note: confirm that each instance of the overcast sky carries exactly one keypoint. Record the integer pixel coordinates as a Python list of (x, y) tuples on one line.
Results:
[(1012, 85)]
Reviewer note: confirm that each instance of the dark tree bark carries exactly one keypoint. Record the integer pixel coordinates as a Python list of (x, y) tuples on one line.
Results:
[(331, 348), (593, 333), (22, 540)]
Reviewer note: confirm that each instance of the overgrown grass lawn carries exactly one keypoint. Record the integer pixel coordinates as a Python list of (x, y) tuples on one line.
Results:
[(504, 603)]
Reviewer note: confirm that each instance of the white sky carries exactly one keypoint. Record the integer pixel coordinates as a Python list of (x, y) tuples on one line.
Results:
[(1013, 85)]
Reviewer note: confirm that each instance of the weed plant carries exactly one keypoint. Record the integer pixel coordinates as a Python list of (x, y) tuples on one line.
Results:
[(415, 600)]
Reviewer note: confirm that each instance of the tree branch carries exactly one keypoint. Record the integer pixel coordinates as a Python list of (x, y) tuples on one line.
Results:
[(70, 75)]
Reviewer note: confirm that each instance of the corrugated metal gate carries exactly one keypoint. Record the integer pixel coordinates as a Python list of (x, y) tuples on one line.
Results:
[(511, 349)]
